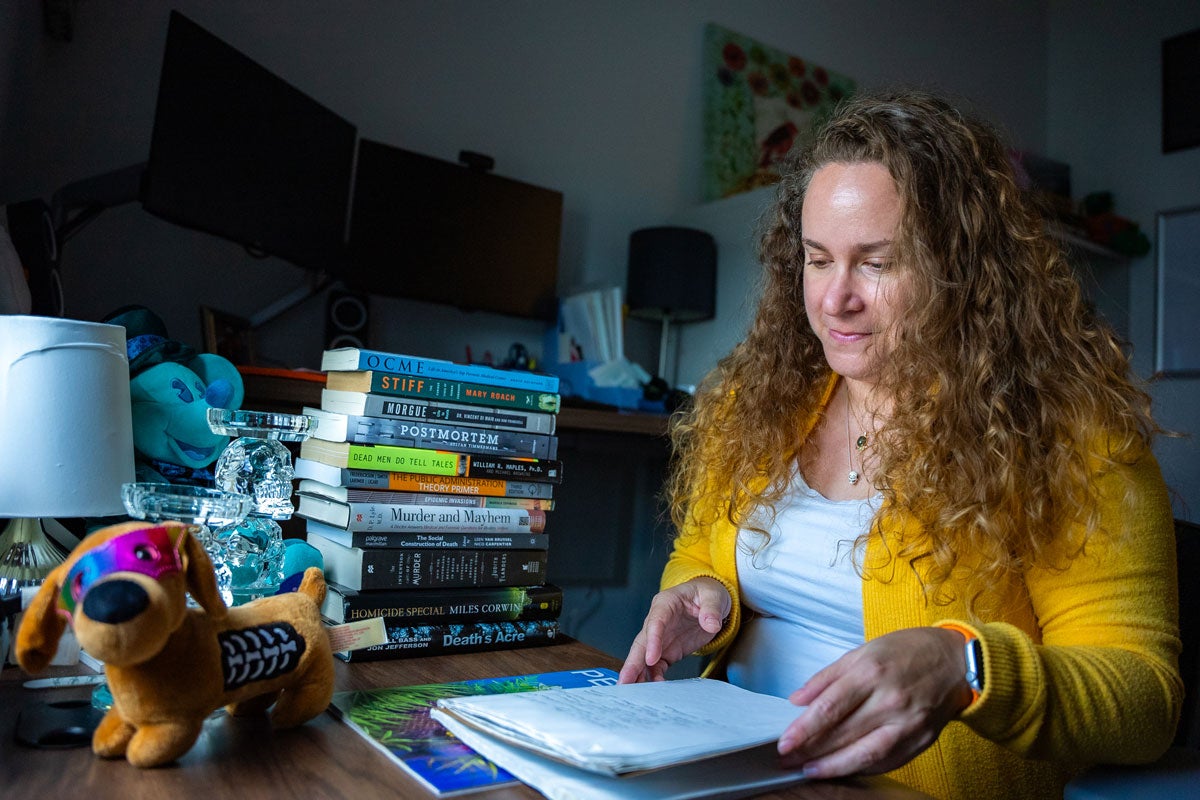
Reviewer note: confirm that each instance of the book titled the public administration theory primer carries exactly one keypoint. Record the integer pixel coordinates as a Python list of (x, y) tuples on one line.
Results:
[(396, 721)]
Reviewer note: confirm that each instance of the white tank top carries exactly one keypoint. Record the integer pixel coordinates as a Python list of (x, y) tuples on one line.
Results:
[(804, 589)]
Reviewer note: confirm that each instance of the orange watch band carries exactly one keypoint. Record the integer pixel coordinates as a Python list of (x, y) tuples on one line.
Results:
[(974, 656)]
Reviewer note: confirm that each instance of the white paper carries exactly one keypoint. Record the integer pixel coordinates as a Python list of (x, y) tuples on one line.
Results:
[(740, 774), (593, 319), (618, 729)]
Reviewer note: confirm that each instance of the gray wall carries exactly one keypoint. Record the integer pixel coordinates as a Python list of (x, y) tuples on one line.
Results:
[(1104, 106), (601, 101)]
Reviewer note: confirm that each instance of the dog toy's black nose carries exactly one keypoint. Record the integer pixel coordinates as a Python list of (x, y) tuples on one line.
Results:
[(115, 601)]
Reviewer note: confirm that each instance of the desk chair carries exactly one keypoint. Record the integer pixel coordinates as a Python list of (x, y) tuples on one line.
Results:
[(1177, 774)]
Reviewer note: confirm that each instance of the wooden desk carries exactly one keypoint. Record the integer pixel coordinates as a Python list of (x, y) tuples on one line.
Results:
[(243, 759)]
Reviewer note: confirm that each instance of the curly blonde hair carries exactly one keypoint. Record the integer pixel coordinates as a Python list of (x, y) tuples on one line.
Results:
[(1006, 385)]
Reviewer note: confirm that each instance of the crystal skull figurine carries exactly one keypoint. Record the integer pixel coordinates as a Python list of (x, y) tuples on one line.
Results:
[(257, 464)]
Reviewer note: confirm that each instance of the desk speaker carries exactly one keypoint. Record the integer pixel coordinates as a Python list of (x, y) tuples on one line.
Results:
[(347, 320)]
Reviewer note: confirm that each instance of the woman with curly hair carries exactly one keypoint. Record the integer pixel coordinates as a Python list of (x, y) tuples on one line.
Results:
[(919, 498)]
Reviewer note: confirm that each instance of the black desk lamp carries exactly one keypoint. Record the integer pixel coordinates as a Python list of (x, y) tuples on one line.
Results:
[(673, 278)]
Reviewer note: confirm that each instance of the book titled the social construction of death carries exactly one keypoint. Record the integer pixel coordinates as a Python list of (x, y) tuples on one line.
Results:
[(396, 721), (336, 427), (375, 382), (680, 739), (443, 606), (365, 404), (369, 568), (429, 462), (348, 477), (355, 358)]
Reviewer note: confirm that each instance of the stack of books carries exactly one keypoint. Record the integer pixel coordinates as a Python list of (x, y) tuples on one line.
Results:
[(426, 485)]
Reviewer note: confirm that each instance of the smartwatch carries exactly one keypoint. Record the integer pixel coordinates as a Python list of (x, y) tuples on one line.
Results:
[(973, 651)]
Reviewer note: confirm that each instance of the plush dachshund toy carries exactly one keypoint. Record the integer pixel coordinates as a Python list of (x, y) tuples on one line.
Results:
[(168, 666)]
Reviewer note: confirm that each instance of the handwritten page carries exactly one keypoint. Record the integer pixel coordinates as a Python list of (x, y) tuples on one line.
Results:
[(619, 729)]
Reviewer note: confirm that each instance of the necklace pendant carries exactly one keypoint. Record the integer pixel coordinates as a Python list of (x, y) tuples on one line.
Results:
[(861, 443), (852, 477)]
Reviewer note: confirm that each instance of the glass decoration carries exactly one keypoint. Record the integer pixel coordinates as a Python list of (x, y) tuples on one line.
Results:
[(257, 464)]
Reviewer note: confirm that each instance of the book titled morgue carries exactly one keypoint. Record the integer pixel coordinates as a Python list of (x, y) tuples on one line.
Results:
[(380, 405)]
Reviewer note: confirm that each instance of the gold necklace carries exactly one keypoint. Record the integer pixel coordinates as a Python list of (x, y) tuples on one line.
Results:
[(860, 444)]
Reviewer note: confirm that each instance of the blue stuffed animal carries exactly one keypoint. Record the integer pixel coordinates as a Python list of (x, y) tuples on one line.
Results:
[(171, 388)]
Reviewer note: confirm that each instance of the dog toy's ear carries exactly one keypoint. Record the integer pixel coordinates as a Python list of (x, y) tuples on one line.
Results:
[(43, 625), (201, 579)]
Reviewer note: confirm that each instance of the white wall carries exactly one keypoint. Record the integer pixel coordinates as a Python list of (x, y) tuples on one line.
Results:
[(598, 100), (1104, 118)]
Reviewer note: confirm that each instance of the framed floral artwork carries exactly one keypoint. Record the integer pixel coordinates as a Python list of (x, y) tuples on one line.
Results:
[(759, 102)]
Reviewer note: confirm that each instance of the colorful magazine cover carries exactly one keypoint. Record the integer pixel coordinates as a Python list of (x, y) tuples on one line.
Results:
[(397, 721)]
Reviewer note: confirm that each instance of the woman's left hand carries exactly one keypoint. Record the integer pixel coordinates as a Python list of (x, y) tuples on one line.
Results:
[(879, 705)]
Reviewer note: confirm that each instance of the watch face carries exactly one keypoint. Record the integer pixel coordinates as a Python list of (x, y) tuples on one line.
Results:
[(974, 654)]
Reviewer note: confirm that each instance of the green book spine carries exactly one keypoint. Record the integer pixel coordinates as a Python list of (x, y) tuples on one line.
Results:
[(403, 459)]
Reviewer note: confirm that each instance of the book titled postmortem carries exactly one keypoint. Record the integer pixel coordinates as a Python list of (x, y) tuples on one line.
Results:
[(335, 427)]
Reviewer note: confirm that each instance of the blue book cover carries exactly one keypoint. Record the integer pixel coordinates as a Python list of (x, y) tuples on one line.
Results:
[(396, 720), (355, 358)]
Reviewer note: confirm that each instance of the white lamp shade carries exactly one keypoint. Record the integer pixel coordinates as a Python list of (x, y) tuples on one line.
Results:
[(66, 428)]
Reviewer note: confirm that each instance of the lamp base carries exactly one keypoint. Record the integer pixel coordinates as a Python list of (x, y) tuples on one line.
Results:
[(26, 555), (663, 342)]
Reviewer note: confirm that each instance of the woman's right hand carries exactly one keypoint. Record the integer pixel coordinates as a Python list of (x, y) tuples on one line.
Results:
[(681, 620)]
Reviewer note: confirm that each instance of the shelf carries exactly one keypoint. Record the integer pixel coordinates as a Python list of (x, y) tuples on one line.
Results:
[(288, 391), (1079, 243), (612, 421)]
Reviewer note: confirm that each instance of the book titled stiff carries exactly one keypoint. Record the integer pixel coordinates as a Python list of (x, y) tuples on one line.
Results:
[(388, 458), (365, 404), (376, 382), (418, 641), (391, 568), (396, 721), (333, 426), (349, 477), (357, 358)]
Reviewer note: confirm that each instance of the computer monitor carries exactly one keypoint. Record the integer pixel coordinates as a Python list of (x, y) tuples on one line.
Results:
[(238, 152), (435, 231)]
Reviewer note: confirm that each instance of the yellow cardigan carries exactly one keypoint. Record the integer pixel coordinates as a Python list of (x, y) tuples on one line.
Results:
[(1080, 667)]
